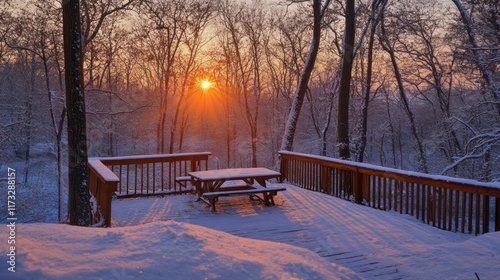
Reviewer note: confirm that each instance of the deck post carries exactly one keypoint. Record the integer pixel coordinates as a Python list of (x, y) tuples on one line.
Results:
[(283, 168), (109, 190), (324, 179), (193, 165), (365, 186), (497, 214), (357, 183)]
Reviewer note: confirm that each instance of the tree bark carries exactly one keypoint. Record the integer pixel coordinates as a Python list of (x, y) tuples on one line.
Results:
[(78, 201)]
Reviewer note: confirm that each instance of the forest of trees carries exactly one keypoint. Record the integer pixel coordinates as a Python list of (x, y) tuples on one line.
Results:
[(422, 94)]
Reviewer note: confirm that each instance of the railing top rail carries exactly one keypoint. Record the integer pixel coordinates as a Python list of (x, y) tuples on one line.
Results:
[(150, 158), (102, 171), (492, 187)]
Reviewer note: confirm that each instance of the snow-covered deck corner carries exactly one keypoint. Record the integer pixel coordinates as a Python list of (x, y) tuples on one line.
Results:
[(102, 185)]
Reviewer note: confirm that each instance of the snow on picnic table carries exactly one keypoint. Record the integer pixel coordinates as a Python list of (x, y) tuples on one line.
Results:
[(306, 235), (222, 174)]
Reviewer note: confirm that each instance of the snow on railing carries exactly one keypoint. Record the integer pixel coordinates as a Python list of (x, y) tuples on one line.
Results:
[(453, 204)]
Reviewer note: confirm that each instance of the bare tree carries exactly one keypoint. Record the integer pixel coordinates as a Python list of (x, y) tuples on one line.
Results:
[(78, 202), (479, 147), (377, 9), (246, 24), (197, 17), (389, 48), (285, 57), (300, 92), (95, 12), (431, 70), (162, 32), (477, 51)]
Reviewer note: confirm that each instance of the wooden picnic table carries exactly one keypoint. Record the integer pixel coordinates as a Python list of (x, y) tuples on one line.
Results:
[(209, 183)]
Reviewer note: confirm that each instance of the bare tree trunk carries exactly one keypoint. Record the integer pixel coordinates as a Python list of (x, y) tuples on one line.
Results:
[(59, 129), (227, 115), (253, 118), (391, 129), (177, 114), (163, 117), (57, 125), (291, 124), (78, 201), (345, 81), (377, 8), (29, 113), (60, 163)]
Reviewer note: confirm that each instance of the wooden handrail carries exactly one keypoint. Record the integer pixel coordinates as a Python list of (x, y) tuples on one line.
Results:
[(138, 159), (142, 175), (445, 202), (102, 185)]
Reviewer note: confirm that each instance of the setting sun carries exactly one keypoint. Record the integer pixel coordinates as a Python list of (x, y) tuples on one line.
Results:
[(205, 84)]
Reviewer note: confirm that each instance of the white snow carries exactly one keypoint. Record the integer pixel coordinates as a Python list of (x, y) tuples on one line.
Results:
[(306, 235), (159, 156), (234, 173)]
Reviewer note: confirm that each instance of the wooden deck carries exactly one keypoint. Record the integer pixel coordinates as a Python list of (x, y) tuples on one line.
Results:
[(453, 204), (301, 218)]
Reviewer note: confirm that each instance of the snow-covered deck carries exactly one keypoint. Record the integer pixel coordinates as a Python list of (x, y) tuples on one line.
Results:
[(375, 244)]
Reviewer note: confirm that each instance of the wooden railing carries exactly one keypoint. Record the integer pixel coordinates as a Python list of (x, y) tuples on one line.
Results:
[(137, 176), (102, 186), (448, 203), (154, 174)]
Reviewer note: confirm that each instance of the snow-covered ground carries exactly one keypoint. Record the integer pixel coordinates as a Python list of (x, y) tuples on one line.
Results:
[(306, 235)]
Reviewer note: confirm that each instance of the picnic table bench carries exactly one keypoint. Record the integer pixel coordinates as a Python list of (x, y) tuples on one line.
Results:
[(209, 184), (183, 180)]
